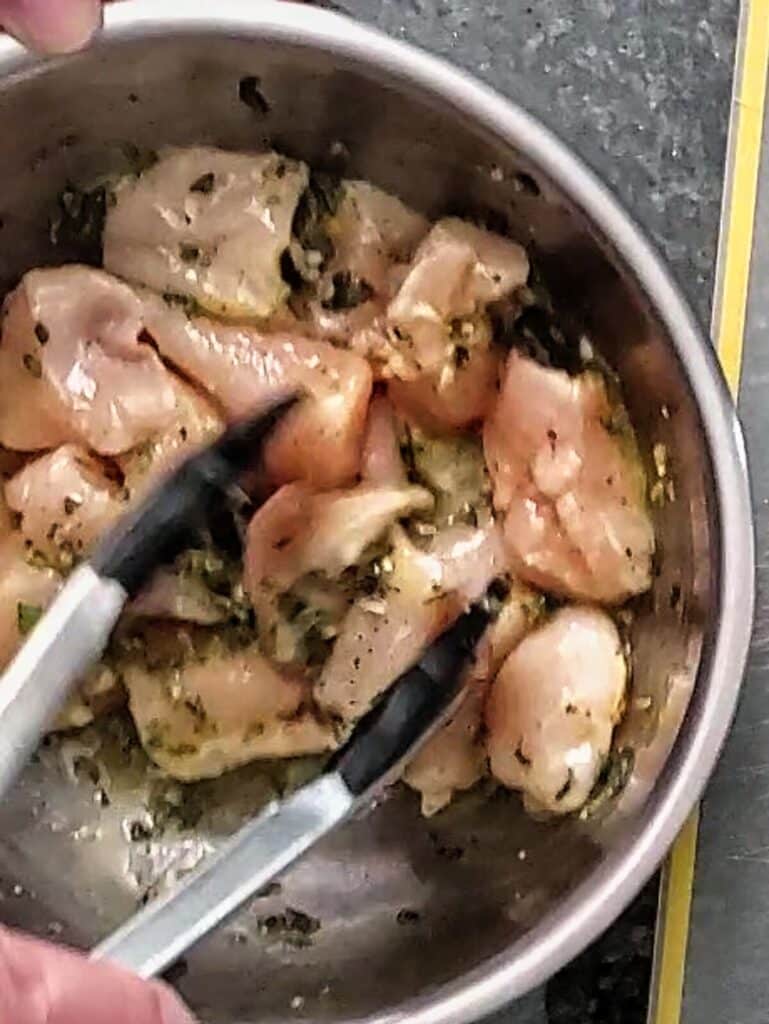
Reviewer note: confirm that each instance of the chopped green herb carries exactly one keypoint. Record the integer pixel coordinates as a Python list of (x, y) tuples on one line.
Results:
[(139, 158), (184, 302), (613, 778), (204, 184), (253, 97), (181, 749), (318, 202), (139, 831), (349, 291), (78, 223), (566, 787), (70, 504), (32, 365), (407, 916), (521, 758), (461, 356), (294, 927), (27, 616), (189, 253)]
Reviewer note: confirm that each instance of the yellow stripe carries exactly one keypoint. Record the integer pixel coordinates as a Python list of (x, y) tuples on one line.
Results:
[(730, 303), (737, 231), (673, 926)]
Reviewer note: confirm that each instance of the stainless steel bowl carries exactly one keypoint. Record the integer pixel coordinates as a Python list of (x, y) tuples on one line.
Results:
[(502, 901)]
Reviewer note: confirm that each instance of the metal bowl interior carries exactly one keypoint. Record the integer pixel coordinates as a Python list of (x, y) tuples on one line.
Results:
[(501, 901)]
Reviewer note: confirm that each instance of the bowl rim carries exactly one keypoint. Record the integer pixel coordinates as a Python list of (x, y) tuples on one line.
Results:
[(596, 901)]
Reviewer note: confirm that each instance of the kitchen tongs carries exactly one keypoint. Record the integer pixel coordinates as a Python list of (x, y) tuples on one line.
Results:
[(74, 631)]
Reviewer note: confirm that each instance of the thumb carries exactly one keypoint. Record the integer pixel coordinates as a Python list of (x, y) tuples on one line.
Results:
[(51, 26), (44, 984)]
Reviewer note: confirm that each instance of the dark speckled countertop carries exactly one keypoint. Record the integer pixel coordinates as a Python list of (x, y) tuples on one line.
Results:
[(640, 89)]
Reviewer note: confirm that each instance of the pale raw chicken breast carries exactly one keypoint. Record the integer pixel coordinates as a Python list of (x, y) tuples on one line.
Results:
[(371, 230), (209, 716), (371, 233), (299, 544), (552, 709), (209, 225), (455, 758), (461, 393), (298, 532), (195, 424), (25, 591), (66, 502), (176, 595), (566, 471), (73, 367), (457, 271), (381, 461), (383, 635), (245, 371)]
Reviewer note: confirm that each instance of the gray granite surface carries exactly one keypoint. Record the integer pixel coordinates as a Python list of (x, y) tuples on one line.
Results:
[(640, 88), (730, 914)]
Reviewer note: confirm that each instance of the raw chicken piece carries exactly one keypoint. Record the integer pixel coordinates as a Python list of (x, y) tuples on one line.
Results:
[(299, 544), (195, 424), (203, 718), (382, 636), (371, 232), (66, 502), (566, 470), (457, 271), (73, 368), (203, 586), (381, 461), (174, 595), (99, 692), (25, 591), (245, 370), (297, 532), (438, 312), (461, 393), (207, 224), (553, 707), (455, 758)]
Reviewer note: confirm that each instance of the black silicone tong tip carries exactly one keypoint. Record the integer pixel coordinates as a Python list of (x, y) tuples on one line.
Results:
[(415, 703), (172, 516), (242, 441)]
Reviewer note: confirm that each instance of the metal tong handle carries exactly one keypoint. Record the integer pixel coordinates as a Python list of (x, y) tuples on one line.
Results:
[(151, 941), (380, 743), (61, 647)]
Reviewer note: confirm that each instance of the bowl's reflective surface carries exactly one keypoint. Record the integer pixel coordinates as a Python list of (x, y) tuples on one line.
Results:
[(484, 921)]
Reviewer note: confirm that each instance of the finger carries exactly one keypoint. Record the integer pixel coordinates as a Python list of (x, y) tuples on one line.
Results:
[(51, 26), (44, 984)]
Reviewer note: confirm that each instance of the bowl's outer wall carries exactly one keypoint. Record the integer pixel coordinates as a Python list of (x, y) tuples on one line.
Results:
[(492, 922)]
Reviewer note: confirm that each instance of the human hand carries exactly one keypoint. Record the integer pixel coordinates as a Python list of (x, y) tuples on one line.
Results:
[(51, 26), (45, 984)]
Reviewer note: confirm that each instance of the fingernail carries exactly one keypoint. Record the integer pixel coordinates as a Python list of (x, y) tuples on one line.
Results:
[(51, 26)]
